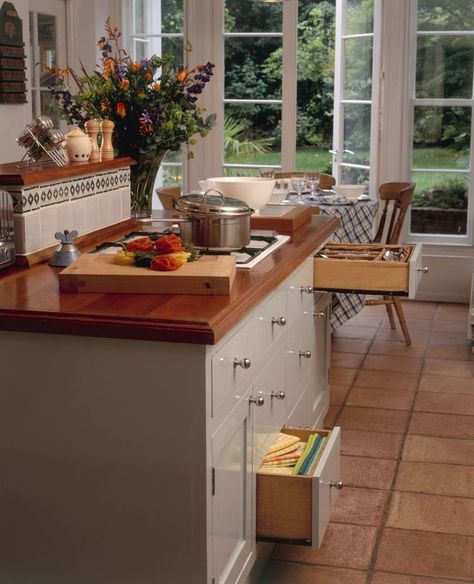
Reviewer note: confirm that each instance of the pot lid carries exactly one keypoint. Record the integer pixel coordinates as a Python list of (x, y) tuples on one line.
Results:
[(211, 202)]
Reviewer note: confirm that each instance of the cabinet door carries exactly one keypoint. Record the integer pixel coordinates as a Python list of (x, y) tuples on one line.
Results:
[(232, 540), (322, 318)]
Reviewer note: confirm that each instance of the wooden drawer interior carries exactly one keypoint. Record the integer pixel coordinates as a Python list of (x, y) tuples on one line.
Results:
[(296, 509), (360, 268)]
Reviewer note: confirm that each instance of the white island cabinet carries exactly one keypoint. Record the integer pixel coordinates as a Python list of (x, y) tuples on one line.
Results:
[(135, 462)]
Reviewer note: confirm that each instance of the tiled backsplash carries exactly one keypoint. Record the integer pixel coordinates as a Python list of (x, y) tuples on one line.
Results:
[(85, 204)]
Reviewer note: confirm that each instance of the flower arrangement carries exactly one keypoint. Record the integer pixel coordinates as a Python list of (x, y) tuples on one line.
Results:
[(152, 105)]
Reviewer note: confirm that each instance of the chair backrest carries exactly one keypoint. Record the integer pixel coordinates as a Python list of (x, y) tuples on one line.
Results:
[(325, 180), (401, 194), (168, 196)]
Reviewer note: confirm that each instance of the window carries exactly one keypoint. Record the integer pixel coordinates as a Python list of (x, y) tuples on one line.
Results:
[(443, 99)]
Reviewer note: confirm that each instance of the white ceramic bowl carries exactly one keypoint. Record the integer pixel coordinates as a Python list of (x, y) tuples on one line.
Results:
[(253, 190), (349, 191)]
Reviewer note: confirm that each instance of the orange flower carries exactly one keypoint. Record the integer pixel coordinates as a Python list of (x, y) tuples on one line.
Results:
[(148, 76), (124, 83), (121, 109), (168, 243), (135, 67), (156, 86), (140, 244), (181, 76), (164, 263)]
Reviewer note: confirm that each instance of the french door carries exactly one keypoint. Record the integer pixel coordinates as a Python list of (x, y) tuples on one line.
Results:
[(356, 92), (47, 19)]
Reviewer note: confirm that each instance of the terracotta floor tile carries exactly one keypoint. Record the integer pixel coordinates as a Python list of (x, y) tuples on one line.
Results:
[(373, 419), (374, 473), (441, 425), (342, 376), (426, 554), (347, 360), (396, 380), (414, 324), (448, 367), (436, 479), (386, 578), (371, 444), (337, 394), (449, 311), (290, 573), (445, 403), (450, 326), (375, 310), (355, 332), (342, 345), (447, 338), (362, 319), (443, 384), (431, 513), (416, 309), (345, 546), (393, 363), (390, 399), (360, 506), (331, 416), (433, 449), (398, 348), (457, 352), (388, 334)]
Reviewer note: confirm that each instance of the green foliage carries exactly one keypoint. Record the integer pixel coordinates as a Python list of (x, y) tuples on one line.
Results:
[(235, 143), (449, 193)]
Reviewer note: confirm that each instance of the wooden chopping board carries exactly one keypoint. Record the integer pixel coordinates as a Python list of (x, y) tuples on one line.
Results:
[(97, 273)]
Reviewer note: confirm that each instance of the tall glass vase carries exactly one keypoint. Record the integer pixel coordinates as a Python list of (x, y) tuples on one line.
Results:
[(142, 183)]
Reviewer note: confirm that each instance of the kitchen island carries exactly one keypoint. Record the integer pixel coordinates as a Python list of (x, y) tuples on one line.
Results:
[(132, 426)]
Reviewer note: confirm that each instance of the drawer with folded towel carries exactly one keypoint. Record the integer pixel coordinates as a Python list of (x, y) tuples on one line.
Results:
[(295, 497), (369, 268)]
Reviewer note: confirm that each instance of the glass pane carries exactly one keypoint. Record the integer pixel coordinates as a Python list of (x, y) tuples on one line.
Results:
[(253, 68), (357, 133), (358, 68), (442, 137), (48, 107), (359, 16), (354, 176), (444, 66), (445, 15), (139, 16), (173, 47), (315, 84), (248, 16), (47, 46), (172, 11), (252, 134), (440, 203)]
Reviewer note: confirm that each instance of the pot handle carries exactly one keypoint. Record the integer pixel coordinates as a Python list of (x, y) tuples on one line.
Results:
[(213, 190)]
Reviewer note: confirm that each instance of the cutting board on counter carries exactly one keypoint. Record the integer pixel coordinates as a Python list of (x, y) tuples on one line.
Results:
[(97, 273)]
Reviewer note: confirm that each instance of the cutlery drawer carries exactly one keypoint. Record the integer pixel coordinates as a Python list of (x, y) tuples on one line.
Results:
[(362, 269), (297, 509)]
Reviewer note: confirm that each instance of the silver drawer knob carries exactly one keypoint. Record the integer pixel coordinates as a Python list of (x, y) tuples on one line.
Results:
[(319, 314), (244, 363), (336, 484), (278, 394), (280, 321), (258, 401), (424, 270), (305, 354), (307, 289)]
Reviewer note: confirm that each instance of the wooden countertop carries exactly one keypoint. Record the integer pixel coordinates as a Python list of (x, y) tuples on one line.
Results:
[(30, 300), (11, 174)]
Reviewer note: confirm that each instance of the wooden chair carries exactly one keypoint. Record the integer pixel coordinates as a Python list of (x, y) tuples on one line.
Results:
[(326, 181), (400, 195), (168, 196)]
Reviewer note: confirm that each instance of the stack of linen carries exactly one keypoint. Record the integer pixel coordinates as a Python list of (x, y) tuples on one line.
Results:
[(289, 455)]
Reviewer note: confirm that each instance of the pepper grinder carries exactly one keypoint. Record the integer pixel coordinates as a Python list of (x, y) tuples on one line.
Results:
[(92, 129), (68, 251), (106, 148)]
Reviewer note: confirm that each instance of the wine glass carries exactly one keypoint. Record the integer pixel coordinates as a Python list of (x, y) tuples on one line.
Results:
[(312, 182), (298, 183)]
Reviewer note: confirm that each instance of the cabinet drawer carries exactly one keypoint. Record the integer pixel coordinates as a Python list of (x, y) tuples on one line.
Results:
[(301, 353), (271, 320), (350, 272), (299, 291), (296, 509)]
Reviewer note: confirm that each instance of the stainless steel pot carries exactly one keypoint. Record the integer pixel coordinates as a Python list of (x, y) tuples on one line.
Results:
[(213, 221)]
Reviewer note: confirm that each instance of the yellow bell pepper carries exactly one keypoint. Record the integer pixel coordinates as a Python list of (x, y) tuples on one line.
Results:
[(124, 258)]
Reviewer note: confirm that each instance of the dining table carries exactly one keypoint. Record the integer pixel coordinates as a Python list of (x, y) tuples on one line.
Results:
[(357, 225)]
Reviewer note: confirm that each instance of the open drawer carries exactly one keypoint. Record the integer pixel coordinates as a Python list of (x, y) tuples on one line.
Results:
[(296, 509), (369, 269)]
